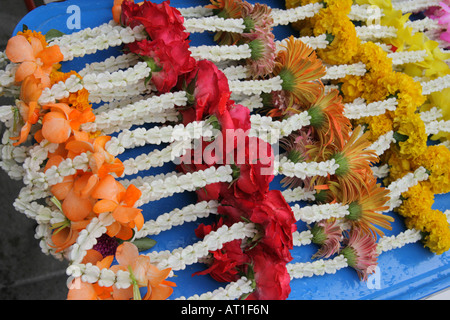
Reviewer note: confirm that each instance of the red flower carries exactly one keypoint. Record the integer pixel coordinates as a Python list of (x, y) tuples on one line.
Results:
[(226, 262), (277, 220), (171, 60), (211, 91), (271, 277), (253, 165), (161, 21), (129, 11)]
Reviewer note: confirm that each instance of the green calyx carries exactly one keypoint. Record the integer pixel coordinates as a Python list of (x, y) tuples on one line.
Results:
[(398, 137), (355, 211), (329, 37), (319, 236), (342, 161), (295, 156), (288, 79), (257, 48), (249, 25), (317, 117), (350, 254)]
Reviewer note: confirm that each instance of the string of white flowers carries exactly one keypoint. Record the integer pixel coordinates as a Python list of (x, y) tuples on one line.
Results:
[(387, 243), (381, 172), (25, 203), (315, 42), (316, 268), (110, 64), (335, 71), (358, 108), (190, 181), (314, 213), (137, 110), (87, 237), (365, 12), (89, 41), (431, 115), (128, 139), (56, 174), (383, 143), (407, 6), (375, 31), (424, 24), (403, 57), (340, 71), (271, 131), (397, 187), (434, 127), (12, 157), (177, 259), (214, 24), (104, 277), (95, 82), (252, 102), (255, 86), (196, 12), (156, 158), (298, 194), (221, 53), (302, 170), (302, 238), (287, 16), (435, 85), (232, 291), (177, 217), (7, 76)]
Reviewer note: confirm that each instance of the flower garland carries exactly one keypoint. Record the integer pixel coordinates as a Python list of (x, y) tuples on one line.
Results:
[(379, 83), (236, 248)]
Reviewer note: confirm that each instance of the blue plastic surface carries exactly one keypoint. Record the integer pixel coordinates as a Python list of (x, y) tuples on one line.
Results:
[(411, 272)]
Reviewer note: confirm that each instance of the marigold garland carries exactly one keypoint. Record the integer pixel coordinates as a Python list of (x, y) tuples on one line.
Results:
[(379, 83)]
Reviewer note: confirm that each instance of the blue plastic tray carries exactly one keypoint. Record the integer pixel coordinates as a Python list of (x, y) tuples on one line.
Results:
[(411, 272)]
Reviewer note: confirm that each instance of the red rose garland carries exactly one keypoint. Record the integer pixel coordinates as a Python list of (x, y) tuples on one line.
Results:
[(263, 258)]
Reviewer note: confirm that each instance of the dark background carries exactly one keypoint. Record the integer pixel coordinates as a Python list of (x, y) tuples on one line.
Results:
[(26, 273)]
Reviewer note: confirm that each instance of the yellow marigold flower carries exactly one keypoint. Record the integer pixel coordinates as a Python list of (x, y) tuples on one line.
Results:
[(352, 87), (398, 166), (435, 159), (434, 224), (417, 199), (375, 59), (379, 125), (411, 135), (342, 37)]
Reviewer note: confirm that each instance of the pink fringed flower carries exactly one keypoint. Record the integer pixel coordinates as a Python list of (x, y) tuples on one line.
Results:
[(327, 234), (258, 34), (361, 252), (445, 21), (296, 147)]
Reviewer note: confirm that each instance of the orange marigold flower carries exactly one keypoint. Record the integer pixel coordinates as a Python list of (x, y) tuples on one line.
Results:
[(300, 70)]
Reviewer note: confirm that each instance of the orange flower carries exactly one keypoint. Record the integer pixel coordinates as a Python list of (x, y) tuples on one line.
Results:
[(143, 273), (79, 290), (34, 59), (30, 92), (62, 121), (114, 198), (300, 70), (66, 234), (101, 162), (355, 161)]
